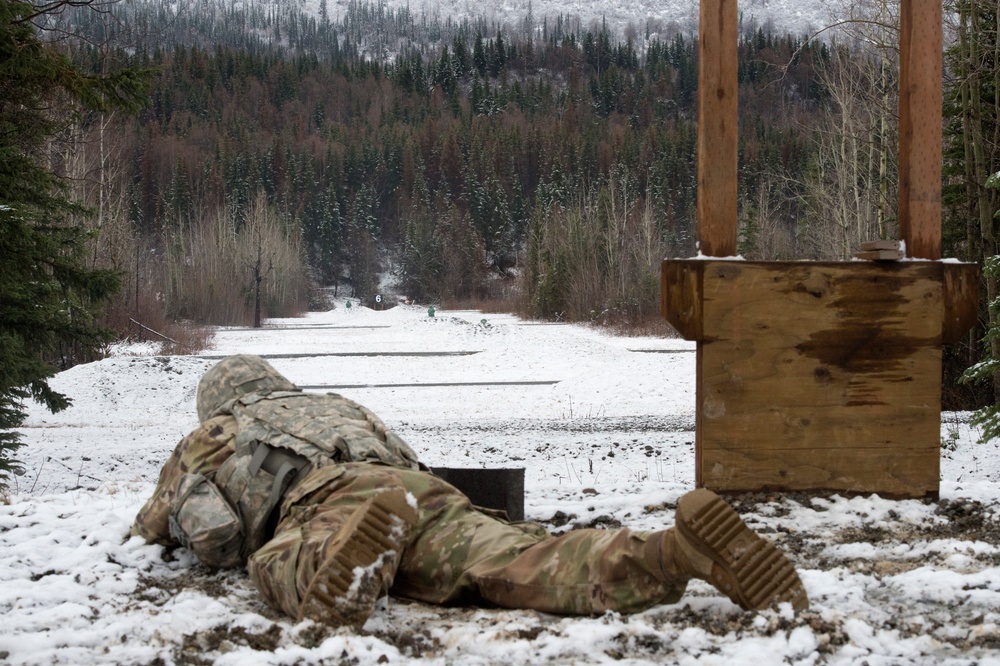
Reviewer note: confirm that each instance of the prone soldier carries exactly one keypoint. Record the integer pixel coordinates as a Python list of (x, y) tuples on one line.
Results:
[(329, 510)]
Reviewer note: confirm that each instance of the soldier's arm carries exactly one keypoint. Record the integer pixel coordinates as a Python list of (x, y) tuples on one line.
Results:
[(202, 451)]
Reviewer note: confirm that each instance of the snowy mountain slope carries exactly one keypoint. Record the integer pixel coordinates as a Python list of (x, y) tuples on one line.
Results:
[(803, 17), (796, 17)]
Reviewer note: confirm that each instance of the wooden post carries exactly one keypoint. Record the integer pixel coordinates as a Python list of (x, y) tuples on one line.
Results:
[(717, 124), (920, 65)]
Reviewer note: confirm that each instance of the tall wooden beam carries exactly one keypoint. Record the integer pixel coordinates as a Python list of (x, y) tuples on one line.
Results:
[(717, 123), (920, 64)]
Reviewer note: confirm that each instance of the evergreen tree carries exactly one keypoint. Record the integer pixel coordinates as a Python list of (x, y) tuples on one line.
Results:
[(47, 295), (422, 251), (971, 227), (498, 56), (479, 58)]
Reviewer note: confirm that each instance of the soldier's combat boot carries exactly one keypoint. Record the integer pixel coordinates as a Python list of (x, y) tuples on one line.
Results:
[(711, 542), (359, 562)]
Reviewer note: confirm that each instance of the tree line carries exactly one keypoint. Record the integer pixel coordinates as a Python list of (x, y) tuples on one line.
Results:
[(445, 152), (448, 166)]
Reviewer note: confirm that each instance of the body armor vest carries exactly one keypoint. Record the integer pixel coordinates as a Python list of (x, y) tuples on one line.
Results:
[(281, 437)]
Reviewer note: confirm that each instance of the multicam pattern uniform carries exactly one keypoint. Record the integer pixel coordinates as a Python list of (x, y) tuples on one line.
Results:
[(325, 428), (455, 554)]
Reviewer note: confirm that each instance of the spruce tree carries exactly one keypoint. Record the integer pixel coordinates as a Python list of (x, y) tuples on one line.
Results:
[(47, 295)]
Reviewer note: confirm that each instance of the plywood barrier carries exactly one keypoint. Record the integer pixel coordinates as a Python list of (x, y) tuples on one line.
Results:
[(819, 376)]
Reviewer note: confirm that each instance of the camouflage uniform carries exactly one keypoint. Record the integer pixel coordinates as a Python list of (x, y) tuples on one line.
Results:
[(458, 554), (453, 552)]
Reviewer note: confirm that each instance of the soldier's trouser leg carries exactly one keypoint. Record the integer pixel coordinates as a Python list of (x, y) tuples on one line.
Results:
[(459, 555), (456, 554), (583, 571), (335, 553), (596, 570)]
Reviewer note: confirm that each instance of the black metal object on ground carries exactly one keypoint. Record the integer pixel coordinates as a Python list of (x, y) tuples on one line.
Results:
[(492, 488)]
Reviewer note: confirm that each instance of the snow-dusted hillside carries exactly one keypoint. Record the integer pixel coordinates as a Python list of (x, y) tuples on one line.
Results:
[(797, 17)]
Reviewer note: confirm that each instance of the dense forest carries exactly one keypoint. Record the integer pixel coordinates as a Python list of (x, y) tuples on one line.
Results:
[(459, 157)]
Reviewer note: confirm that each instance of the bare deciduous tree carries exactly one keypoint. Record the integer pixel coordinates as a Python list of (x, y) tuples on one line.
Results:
[(850, 189)]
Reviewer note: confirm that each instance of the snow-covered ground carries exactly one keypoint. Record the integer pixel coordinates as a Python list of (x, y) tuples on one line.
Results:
[(603, 426)]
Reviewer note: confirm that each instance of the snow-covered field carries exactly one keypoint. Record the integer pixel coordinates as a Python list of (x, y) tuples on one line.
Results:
[(603, 426)]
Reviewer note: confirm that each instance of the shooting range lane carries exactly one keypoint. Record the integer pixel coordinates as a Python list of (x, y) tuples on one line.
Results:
[(418, 353), (612, 443), (464, 388), (405, 364), (424, 385), (302, 327), (502, 392)]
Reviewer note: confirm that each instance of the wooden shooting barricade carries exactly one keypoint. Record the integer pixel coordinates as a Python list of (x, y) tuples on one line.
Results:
[(821, 375)]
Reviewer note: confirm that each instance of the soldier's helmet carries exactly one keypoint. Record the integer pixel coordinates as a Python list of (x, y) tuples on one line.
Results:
[(234, 377)]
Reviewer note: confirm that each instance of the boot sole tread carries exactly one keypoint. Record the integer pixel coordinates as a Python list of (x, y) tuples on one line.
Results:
[(375, 532), (758, 573)]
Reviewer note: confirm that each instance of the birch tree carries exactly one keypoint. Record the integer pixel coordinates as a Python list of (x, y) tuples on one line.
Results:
[(851, 189)]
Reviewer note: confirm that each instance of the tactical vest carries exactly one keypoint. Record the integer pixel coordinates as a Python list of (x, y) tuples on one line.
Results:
[(281, 437)]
